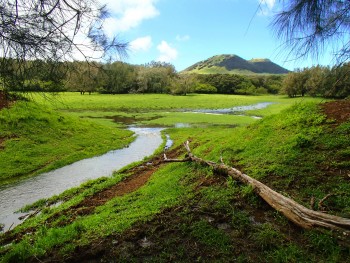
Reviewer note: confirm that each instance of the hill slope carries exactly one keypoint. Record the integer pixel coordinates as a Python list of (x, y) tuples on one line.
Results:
[(233, 64)]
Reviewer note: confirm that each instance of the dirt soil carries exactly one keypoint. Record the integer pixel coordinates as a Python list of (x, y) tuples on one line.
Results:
[(5, 100), (138, 176), (338, 110)]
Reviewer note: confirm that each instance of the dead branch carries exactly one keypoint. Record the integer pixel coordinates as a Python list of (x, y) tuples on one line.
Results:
[(175, 160), (300, 215), (312, 202), (320, 203)]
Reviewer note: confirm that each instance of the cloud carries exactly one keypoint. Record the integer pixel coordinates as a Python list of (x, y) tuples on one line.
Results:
[(269, 3), (266, 6), (141, 44), (128, 14), (182, 38), (167, 53)]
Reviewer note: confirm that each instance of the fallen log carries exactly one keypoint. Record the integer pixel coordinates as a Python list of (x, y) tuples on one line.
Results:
[(295, 212)]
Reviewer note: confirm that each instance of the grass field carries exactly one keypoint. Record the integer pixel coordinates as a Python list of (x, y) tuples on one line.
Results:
[(156, 102), (165, 110), (186, 213), (35, 139)]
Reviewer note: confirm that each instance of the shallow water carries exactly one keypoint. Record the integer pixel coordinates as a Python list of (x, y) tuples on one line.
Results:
[(15, 196), (235, 110)]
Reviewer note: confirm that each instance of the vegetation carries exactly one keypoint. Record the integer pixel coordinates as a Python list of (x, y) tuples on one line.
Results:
[(183, 204), (186, 212), (243, 85), (122, 78), (34, 140), (157, 77), (319, 81), (33, 33), (233, 64), (308, 26), (162, 212)]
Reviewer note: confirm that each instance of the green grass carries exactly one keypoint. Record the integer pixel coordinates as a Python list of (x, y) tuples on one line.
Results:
[(156, 102), (289, 151), (37, 140), (221, 70), (191, 213), (165, 110), (115, 216)]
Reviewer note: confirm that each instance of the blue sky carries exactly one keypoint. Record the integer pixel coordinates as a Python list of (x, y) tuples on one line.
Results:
[(183, 32)]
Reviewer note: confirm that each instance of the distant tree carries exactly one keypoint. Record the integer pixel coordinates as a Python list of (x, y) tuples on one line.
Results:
[(225, 83), (48, 30), (171, 72), (118, 77), (39, 76), (204, 88), (239, 84), (83, 77), (246, 87), (319, 81), (316, 83), (339, 82), (307, 26), (290, 84), (183, 84), (155, 77)]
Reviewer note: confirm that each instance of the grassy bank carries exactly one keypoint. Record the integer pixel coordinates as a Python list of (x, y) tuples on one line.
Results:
[(187, 213), (166, 110), (35, 139), (156, 102)]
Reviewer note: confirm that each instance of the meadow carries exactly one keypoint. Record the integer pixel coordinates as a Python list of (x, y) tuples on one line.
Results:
[(185, 212), (163, 109)]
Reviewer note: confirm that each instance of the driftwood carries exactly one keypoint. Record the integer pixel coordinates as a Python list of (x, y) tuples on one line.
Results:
[(300, 215)]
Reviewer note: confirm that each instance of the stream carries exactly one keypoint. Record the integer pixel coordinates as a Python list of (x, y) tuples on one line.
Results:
[(15, 196), (234, 110)]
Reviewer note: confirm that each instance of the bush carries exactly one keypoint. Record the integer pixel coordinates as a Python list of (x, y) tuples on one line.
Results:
[(205, 89)]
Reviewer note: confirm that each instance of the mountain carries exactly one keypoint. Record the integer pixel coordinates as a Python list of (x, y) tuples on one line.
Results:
[(233, 64)]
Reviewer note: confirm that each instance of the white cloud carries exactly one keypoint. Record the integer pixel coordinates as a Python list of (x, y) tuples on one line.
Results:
[(269, 3), (182, 38), (167, 53), (266, 6), (141, 44), (128, 14)]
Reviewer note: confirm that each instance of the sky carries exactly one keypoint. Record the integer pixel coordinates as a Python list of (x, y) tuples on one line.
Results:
[(183, 32)]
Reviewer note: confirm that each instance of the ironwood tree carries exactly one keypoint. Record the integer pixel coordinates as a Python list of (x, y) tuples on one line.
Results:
[(310, 26), (52, 31)]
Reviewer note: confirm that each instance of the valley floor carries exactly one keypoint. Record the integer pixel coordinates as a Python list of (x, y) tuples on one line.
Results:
[(182, 212)]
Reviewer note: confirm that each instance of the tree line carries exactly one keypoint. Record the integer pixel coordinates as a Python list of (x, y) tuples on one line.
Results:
[(119, 77), (159, 77), (322, 81)]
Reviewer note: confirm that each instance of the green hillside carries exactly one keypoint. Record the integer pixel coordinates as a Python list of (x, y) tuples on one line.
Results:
[(233, 64)]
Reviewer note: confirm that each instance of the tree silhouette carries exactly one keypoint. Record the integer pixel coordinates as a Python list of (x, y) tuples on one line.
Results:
[(309, 26)]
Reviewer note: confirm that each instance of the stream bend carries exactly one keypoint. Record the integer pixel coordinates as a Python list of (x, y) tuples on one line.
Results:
[(17, 195)]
